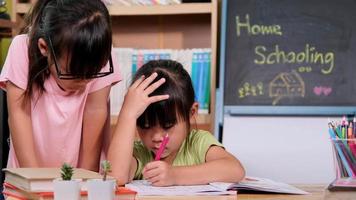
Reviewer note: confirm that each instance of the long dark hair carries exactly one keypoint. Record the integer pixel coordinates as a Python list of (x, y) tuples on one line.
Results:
[(81, 29), (178, 86)]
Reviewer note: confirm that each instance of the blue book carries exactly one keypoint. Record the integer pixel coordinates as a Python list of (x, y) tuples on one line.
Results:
[(194, 75), (206, 82), (151, 56), (146, 57), (200, 82), (134, 63)]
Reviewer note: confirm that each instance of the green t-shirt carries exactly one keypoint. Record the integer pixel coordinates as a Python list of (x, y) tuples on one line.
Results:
[(192, 151)]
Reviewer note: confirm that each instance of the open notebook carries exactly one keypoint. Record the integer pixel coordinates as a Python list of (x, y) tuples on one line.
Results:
[(252, 184)]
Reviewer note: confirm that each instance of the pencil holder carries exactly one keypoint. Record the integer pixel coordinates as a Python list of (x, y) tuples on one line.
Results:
[(101, 190), (65, 190), (344, 159)]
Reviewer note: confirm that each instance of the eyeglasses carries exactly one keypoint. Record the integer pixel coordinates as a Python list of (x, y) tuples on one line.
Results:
[(74, 76)]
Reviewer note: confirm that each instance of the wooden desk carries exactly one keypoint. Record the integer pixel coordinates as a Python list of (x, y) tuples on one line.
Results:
[(316, 193)]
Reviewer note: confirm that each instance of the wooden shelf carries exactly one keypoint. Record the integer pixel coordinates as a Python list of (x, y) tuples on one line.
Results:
[(185, 8), (6, 28), (22, 8), (4, 23)]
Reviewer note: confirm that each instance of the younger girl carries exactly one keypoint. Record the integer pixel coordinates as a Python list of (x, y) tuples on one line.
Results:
[(58, 76), (164, 104)]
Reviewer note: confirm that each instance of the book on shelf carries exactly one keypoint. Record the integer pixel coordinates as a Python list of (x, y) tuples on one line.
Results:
[(40, 179), (249, 185), (201, 78), (12, 192)]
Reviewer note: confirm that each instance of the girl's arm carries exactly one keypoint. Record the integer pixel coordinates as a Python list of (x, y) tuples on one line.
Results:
[(120, 152), (95, 116), (21, 127), (219, 166)]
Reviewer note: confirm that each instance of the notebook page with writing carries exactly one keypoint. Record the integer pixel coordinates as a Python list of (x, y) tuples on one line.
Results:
[(143, 188)]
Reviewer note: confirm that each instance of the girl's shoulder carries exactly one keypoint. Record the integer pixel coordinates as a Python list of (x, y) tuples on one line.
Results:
[(202, 138), (140, 148), (138, 144), (21, 36), (21, 39), (198, 133), (15, 68), (19, 45)]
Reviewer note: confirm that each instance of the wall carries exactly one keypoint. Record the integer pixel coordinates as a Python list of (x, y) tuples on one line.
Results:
[(288, 149), (4, 45)]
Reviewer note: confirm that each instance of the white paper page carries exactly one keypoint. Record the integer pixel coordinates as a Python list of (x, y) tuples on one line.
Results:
[(260, 184), (143, 188)]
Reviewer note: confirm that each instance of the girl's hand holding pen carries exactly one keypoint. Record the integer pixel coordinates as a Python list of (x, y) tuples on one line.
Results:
[(159, 173), (137, 98)]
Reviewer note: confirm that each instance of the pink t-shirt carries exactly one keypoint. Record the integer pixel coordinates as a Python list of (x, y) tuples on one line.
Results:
[(56, 117)]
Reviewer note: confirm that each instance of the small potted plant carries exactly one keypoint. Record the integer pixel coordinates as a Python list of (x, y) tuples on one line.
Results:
[(65, 188), (103, 189)]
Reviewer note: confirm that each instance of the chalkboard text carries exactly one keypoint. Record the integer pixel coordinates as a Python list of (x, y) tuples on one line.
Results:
[(308, 56), (256, 29)]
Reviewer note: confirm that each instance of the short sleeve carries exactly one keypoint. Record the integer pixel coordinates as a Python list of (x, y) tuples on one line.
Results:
[(143, 156), (111, 79), (201, 142), (15, 68)]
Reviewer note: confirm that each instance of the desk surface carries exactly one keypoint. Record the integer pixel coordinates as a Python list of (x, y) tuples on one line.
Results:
[(316, 193)]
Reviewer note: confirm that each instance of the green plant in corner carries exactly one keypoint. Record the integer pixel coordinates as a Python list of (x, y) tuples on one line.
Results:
[(106, 168), (66, 172)]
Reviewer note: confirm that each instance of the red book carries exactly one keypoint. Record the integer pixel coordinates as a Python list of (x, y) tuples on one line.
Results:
[(14, 193)]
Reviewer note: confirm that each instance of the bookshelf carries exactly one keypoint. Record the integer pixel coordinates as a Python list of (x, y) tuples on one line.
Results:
[(186, 25), (6, 26)]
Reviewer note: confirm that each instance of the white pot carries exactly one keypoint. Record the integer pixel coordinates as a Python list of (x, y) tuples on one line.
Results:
[(65, 190), (101, 190)]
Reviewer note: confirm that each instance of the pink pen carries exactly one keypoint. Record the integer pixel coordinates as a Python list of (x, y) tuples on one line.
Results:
[(162, 147)]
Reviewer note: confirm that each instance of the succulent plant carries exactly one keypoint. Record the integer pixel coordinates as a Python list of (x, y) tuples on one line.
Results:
[(106, 168), (66, 172)]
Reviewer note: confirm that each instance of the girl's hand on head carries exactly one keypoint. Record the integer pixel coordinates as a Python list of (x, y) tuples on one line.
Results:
[(137, 98), (159, 173)]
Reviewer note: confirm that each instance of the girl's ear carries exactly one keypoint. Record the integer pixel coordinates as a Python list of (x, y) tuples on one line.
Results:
[(194, 112), (42, 46)]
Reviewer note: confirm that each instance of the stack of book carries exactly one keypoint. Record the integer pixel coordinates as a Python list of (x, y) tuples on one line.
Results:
[(36, 183)]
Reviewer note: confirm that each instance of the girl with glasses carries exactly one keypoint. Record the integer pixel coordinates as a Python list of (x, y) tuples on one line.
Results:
[(58, 74)]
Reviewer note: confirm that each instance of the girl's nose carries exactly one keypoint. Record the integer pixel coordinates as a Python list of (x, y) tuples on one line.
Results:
[(158, 136)]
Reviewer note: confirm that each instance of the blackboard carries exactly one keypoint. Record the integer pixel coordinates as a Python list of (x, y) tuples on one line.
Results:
[(288, 56)]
